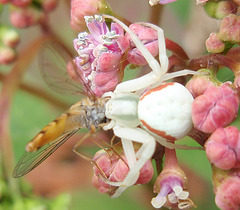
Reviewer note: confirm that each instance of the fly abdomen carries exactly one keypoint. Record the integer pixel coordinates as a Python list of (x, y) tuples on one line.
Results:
[(49, 133)]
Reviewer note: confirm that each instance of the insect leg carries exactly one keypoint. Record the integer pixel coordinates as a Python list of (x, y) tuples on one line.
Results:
[(147, 148)]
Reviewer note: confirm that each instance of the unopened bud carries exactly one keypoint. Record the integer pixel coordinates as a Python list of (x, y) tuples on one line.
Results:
[(225, 8), (228, 192), (81, 8), (198, 84), (222, 148), (214, 44), (217, 107), (113, 167), (25, 17), (49, 5), (148, 37), (229, 29)]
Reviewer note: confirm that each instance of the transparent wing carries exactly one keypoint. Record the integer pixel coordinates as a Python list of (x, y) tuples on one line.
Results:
[(31, 160), (53, 61)]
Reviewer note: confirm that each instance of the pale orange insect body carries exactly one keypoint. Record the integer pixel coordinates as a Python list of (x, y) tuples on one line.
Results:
[(88, 113)]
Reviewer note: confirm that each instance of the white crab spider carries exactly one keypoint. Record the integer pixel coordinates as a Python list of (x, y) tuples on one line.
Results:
[(165, 110)]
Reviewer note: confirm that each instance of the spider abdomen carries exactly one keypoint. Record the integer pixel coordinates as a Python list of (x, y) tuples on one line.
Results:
[(166, 110)]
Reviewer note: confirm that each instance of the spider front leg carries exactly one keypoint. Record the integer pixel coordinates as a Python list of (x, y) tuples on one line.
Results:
[(147, 149), (157, 70)]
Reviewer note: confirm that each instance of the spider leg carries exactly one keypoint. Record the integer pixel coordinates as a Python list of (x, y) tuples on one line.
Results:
[(161, 46), (148, 147), (148, 79)]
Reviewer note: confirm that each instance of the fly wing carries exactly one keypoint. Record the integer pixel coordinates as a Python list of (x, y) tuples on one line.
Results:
[(31, 160), (53, 61)]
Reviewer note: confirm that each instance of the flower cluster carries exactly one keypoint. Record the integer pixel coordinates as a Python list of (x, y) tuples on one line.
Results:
[(25, 13), (215, 107), (100, 55), (103, 54), (104, 51), (229, 27)]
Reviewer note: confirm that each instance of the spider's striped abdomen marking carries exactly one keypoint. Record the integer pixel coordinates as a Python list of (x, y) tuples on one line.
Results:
[(166, 110)]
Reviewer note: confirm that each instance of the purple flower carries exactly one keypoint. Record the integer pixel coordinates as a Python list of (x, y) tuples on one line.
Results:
[(100, 54), (170, 185)]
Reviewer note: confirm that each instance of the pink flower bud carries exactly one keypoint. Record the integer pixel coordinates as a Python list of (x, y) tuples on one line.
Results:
[(230, 29), (149, 38), (225, 8), (199, 84), (21, 3), (113, 168), (214, 44), (22, 18), (228, 194), (217, 107), (49, 5), (81, 8), (7, 55), (223, 148)]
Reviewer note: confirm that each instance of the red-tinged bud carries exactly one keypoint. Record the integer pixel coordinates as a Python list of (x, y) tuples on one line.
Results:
[(217, 107), (230, 29), (199, 84), (223, 148), (9, 36), (113, 167), (49, 5), (148, 37), (214, 44), (25, 17), (225, 8), (227, 189), (21, 3), (81, 8), (7, 55)]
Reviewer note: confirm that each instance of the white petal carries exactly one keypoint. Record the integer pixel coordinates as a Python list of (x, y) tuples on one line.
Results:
[(172, 198), (183, 195), (158, 202), (177, 189)]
